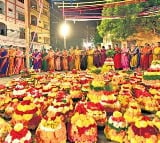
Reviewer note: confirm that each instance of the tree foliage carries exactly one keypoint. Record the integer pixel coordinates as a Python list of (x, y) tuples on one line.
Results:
[(128, 21), (97, 39)]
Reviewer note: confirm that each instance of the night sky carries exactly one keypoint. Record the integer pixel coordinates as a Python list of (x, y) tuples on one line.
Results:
[(82, 31)]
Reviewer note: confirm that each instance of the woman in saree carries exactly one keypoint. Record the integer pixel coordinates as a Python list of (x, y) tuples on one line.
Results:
[(65, 60), (151, 53), (156, 52), (90, 58), (144, 62), (37, 60), (58, 60), (103, 55), (44, 60), (77, 58), (19, 63), (96, 57), (134, 57), (51, 57), (71, 59), (12, 54), (117, 58), (84, 60), (125, 57), (3, 62)]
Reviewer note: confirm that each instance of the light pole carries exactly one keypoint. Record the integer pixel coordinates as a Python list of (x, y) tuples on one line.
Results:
[(65, 42), (64, 31)]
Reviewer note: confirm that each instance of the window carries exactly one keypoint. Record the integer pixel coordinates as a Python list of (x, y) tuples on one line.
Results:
[(22, 33), (22, 1), (1, 10), (1, 7), (33, 4), (45, 12), (46, 40), (21, 17), (10, 10), (46, 26), (3, 29), (33, 20), (35, 36)]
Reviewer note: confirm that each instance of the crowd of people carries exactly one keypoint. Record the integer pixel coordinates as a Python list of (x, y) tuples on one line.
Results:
[(13, 59)]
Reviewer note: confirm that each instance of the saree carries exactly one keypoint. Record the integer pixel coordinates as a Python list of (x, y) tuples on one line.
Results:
[(12, 54), (134, 58), (77, 59), (51, 65), (71, 60), (156, 53), (96, 58), (44, 61), (144, 62), (125, 58), (117, 59), (103, 56), (84, 62), (18, 62), (90, 58), (4, 63), (37, 60), (65, 60), (58, 61)]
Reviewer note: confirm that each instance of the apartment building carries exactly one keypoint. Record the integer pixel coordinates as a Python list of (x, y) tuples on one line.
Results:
[(39, 24), (12, 22)]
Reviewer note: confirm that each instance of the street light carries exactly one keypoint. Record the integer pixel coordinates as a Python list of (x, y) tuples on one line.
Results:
[(64, 31)]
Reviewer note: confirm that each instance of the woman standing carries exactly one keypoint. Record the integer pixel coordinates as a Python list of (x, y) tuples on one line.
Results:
[(96, 57), (124, 57), (151, 53), (103, 55), (37, 60), (18, 61), (90, 58), (117, 58), (71, 59), (65, 60), (44, 60), (144, 62), (77, 58), (12, 54), (84, 60), (58, 60), (51, 57), (134, 57), (3, 62), (156, 52)]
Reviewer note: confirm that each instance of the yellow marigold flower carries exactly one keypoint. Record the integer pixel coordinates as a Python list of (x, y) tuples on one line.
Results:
[(27, 117), (117, 114), (18, 127)]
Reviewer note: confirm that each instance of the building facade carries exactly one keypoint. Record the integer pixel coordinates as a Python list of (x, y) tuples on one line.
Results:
[(12, 23), (13, 26), (39, 28)]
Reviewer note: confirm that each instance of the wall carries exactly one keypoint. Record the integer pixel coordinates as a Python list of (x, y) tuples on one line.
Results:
[(10, 18)]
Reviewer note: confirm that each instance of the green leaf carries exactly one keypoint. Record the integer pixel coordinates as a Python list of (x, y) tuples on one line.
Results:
[(120, 29), (113, 127)]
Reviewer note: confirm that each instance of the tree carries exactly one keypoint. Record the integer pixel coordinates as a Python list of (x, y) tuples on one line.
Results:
[(97, 39), (128, 21)]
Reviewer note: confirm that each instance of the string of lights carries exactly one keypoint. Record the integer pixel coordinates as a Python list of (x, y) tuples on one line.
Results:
[(95, 18), (89, 10)]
